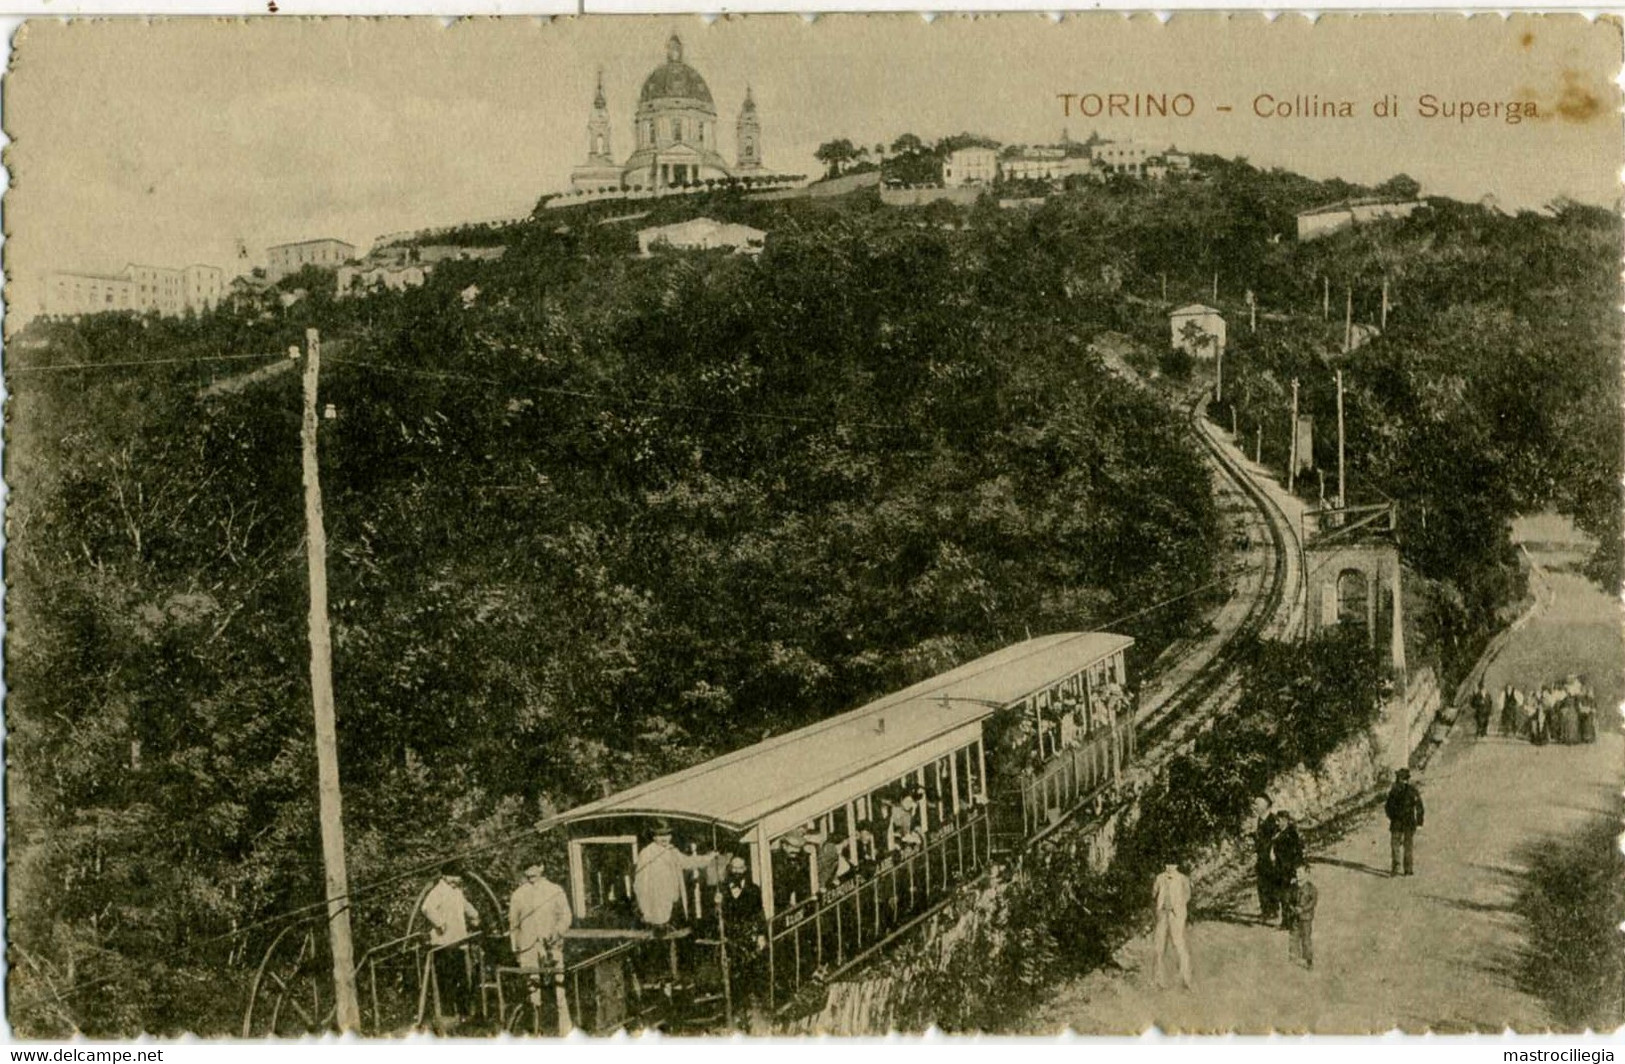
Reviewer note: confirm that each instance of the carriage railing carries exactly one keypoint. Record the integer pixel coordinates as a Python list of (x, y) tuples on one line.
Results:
[(1074, 776), (832, 930)]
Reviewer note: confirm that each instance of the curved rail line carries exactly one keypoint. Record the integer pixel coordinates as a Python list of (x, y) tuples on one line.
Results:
[(1168, 727)]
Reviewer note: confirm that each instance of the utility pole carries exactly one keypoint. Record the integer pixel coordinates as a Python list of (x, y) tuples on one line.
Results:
[(1385, 303), (1218, 386), (1233, 435), (1326, 298), (321, 691), (1342, 497), (1292, 449), (1215, 286), (1252, 313), (1348, 320), (1258, 444)]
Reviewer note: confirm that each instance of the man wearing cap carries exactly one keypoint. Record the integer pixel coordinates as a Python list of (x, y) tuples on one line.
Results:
[(538, 916), (657, 881), (450, 918), (1404, 809)]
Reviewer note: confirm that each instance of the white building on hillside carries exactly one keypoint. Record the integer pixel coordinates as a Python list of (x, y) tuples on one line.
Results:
[(970, 166), (702, 234), (137, 288), (1198, 330), (1322, 221)]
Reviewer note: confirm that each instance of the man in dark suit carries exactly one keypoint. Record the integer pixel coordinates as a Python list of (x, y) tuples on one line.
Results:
[(1404, 809)]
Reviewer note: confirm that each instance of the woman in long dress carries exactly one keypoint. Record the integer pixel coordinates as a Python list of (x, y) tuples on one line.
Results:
[(1588, 712), (1568, 719)]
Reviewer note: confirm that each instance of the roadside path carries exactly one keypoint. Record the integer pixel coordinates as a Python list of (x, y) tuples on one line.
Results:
[(1434, 951)]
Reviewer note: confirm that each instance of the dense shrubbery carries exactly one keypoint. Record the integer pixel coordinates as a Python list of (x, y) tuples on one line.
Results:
[(1056, 919), (620, 514), (1572, 904), (613, 518)]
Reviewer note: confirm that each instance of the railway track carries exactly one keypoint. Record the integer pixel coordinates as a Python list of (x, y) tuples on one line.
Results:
[(1206, 680)]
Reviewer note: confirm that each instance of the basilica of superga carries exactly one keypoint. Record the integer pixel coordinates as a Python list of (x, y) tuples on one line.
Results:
[(676, 128)]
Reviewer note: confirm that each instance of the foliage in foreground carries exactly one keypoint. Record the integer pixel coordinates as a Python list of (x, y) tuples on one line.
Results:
[(609, 518), (1572, 902)]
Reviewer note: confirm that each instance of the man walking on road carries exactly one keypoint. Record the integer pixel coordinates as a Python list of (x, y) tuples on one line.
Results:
[(1404, 809), (1481, 709), (1269, 905), (1171, 895), (1305, 897), (1286, 855)]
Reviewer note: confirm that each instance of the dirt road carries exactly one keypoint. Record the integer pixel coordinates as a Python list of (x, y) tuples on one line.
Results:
[(1434, 951)]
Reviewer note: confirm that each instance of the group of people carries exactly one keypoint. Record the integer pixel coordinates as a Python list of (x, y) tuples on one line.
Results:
[(1563, 712), (1278, 860), (538, 916), (1071, 719)]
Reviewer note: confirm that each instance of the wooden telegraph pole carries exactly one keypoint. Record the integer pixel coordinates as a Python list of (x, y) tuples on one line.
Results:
[(1342, 497), (1215, 286), (321, 691), (1385, 303), (1326, 299), (1292, 449), (1348, 319)]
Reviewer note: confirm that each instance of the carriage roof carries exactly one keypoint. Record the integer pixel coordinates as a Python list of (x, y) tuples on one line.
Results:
[(741, 788)]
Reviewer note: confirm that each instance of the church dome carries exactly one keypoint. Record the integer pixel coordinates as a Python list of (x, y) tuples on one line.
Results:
[(675, 79)]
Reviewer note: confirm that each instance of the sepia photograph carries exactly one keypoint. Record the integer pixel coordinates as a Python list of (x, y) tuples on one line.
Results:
[(789, 526)]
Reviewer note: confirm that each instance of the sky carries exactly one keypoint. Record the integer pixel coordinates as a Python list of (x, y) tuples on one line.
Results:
[(169, 142)]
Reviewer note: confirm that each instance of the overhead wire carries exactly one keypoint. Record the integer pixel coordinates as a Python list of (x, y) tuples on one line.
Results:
[(126, 364)]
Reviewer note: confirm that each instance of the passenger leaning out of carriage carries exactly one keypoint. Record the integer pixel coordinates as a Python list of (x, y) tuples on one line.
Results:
[(907, 833), (658, 882)]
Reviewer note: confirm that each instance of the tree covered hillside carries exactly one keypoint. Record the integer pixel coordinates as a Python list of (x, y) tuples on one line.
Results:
[(603, 518)]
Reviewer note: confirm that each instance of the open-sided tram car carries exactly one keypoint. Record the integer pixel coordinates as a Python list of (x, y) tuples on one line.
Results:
[(853, 829)]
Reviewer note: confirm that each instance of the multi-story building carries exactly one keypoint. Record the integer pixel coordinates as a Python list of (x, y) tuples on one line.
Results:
[(1123, 156), (136, 288), (327, 253), (970, 166)]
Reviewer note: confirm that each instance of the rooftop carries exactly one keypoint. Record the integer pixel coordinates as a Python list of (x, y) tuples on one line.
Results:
[(741, 788)]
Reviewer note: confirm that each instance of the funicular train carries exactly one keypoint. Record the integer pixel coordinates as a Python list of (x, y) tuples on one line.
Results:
[(849, 830), (720, 893)]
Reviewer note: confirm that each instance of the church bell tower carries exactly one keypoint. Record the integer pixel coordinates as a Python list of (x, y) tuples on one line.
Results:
[(598, 150), (749, 136)]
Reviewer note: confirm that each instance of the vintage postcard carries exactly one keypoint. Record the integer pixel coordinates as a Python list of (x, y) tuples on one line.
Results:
[(813, 526)]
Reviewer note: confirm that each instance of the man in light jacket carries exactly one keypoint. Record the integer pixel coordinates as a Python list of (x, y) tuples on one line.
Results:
[(657, 881), (1171, 896), (538, 916)]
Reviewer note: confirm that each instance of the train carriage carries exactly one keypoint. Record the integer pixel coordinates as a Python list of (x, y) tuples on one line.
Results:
[(852, 829)]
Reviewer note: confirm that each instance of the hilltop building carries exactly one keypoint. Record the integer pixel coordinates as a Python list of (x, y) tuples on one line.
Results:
[(675, 134), (970, 166), (137, 288), (283, 259)]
